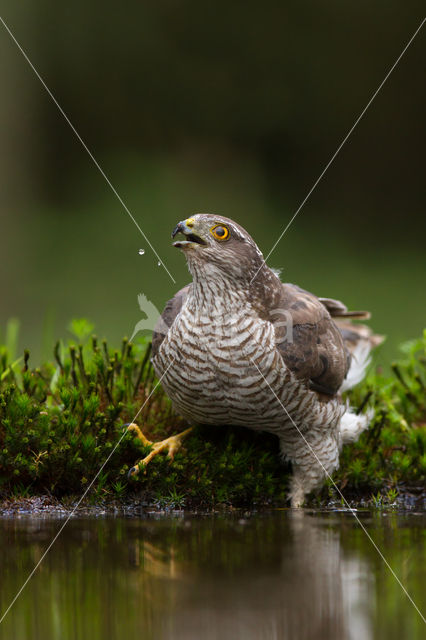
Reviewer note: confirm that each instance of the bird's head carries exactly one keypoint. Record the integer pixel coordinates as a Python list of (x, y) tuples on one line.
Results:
[(215, 245)]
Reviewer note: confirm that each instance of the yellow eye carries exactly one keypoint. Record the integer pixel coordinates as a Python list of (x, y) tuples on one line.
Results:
[(220, 232)]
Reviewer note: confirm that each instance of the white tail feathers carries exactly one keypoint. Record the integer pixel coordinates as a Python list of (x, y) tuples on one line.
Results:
[(352, 425), (359, 363)]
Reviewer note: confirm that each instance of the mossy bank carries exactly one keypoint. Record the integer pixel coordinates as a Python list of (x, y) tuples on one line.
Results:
[(62, 422)]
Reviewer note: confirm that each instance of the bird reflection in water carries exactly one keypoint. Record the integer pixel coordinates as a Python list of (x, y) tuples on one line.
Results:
[(281, 577)]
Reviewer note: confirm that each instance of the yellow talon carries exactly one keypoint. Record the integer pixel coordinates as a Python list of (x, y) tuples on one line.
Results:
[(171, 444)]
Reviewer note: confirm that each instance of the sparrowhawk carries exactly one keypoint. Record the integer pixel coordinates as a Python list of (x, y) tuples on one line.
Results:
[(239, 347)]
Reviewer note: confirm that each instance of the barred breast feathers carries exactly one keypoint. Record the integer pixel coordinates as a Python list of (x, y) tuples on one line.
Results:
[(219, 349)]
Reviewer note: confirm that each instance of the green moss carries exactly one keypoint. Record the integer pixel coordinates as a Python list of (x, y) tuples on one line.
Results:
[(61, 421), (391, 453)]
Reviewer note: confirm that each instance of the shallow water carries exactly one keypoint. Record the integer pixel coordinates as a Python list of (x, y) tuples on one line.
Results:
[(274, 575)]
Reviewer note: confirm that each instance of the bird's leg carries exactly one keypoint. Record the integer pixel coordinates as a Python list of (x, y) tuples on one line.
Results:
[(313, 459), (171, 445)]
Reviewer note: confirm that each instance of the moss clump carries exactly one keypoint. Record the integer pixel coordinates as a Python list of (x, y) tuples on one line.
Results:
[(60, 422), (392, 453)]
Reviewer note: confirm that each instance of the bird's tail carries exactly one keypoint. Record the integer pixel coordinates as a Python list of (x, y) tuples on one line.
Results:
[(358, 338), (359, 341)]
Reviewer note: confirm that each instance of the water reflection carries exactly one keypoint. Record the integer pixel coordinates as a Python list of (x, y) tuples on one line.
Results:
[(281, 575), (290, 581)]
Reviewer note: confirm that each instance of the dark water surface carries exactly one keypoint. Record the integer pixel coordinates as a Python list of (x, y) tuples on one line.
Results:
[(276, 575)]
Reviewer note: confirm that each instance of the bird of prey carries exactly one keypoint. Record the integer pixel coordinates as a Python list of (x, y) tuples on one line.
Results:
[(239, 347)]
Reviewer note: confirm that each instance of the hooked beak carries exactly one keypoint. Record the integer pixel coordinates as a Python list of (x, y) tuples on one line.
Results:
[(186, 228), (178, 228)]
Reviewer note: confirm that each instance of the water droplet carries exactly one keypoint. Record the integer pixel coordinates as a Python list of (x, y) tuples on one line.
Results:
[(141, 252), (158, 264)]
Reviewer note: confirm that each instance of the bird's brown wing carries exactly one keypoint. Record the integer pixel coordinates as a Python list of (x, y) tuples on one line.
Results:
[(165, 321), (310, 343)]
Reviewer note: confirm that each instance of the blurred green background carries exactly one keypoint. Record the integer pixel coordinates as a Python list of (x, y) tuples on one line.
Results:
[(233, 108)]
